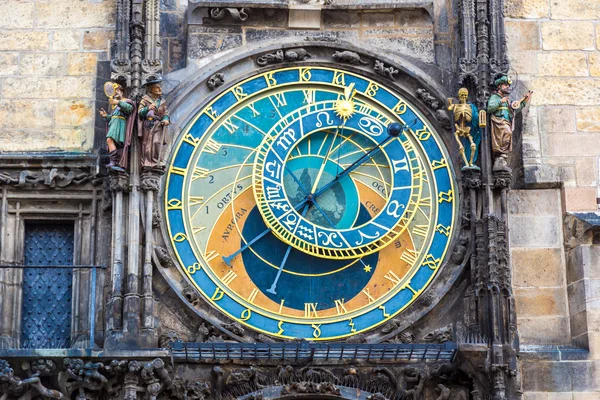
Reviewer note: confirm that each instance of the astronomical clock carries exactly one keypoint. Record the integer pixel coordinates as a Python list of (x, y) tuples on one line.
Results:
[(310, 202)]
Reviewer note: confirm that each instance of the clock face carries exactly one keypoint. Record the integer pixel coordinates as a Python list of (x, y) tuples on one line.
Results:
[(293, 210)]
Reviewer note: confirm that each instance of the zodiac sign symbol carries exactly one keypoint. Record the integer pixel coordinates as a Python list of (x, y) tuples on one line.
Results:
[(273, 168), (364, 236), (281, 206), (371, 125), (327, 120), (304, 232), (291, 220), (329, 237), (395, 205), (286, 139)]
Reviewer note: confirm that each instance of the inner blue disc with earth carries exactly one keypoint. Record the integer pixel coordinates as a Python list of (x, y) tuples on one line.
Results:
[(317, 282)]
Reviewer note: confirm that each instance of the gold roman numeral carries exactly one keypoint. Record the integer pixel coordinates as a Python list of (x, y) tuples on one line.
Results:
[(409, 256), (420, 230), (310, 310), (199, 173), (212, 146), (368, 294), (280, 99), (230, 126), (309, 96), (211, 255), (229, 277), (392, 277), (196, 200), (255, 112), (253, 295), (339, 306)]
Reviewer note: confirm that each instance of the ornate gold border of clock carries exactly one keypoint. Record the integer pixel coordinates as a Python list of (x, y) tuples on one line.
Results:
[(408, 77)]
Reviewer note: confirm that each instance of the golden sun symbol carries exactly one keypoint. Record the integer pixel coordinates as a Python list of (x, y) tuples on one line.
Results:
[(344, 108)]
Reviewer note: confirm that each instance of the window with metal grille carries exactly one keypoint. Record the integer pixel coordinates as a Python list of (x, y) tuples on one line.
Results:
[(47, 291)]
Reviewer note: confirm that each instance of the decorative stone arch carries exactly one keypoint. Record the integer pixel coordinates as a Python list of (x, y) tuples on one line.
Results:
[(422, 88)]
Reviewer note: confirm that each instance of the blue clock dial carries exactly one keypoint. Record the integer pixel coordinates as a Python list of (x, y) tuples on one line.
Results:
[(293, 211)]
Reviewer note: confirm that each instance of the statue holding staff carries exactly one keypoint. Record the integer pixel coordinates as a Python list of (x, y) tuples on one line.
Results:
[(119, 126), (153, 124)]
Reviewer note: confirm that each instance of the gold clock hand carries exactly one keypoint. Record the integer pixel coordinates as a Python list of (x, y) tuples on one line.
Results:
[(316, 184)]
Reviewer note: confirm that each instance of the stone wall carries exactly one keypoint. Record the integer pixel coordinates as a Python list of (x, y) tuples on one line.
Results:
[(554, 47), (48, 59)]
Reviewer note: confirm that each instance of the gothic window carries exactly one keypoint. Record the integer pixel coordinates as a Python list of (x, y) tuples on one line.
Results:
[(47, 288)]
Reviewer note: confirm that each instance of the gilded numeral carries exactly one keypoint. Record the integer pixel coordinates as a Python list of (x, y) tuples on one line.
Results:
[(238, 92), (271, 81), (230, 126), (211, 255), (420, 230), (280, 99), (372, 89), (364, 109), (177, 170), (196, 200), (188, 138), (414, 292), (281, 305), (255, 112), (253, 295), (351, 325), (367, 293), (310, 310), (339, 78), (218, 295), (212, 114), (246, 314), (179, 237), (422, 175), (340, 307), (444, 230), (280, 327), (431, 262), (212, 146), (385, 314), (309, 96), (392, 277), (445, 196), (229, 277), (424, 202), (439, 164), (400, 108), (317, 330), (174, 204), (409, 256), (423, 134), (195, 267), (305, 75)]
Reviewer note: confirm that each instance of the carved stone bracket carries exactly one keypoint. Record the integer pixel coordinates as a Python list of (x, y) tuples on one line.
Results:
[(388, 72), (349, 57), (238, 14), (151, 179), (436, 106), (119, 182), (215, 81), (280, 56)]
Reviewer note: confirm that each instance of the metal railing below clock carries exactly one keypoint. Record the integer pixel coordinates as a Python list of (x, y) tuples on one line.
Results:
[(306, 351)]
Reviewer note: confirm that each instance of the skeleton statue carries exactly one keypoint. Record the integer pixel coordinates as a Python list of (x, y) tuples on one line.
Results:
[(466, 124)]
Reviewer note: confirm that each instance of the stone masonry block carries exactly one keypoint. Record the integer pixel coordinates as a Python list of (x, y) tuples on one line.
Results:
[(563, 64), (16, 14), (526, 62), (340, 19), (378, 19), (24, 40), (588, 119), (46, 139), (579, 323), (9, 63), (534, 231), (540, 302), (75, 14), (74, 112), (574, 9), (560, 396), (537, 267), (538, 202), (49, 87), (572, 145), (26, 114), (547, 376), (544, 330), (587, 171), (557, 119), (42, 64), (82, 63), (420, 47), (585, 395), (65, 40), (594, 60), (526, 9), (565, 91), (535, 396), (97, 40), (522, 36), (581, 198), (567, 35)]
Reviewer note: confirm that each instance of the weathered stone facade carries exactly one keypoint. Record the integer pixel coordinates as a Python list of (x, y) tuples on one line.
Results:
[(518, 261)]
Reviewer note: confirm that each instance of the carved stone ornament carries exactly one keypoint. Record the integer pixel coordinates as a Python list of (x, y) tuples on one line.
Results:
[(163, 257), (349, 57), (119, 182), (151, 179), (388, 72), (279, 56), (52, 178), (441, 335), (436, 106), (215, 81), (238, 14)]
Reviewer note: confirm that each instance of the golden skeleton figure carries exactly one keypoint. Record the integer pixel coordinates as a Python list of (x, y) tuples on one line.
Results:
[(463, 115)]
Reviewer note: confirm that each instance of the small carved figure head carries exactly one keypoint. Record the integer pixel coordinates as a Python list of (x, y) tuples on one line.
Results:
[(503, 84), (463, 95), (166, 340), (153, 87)]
